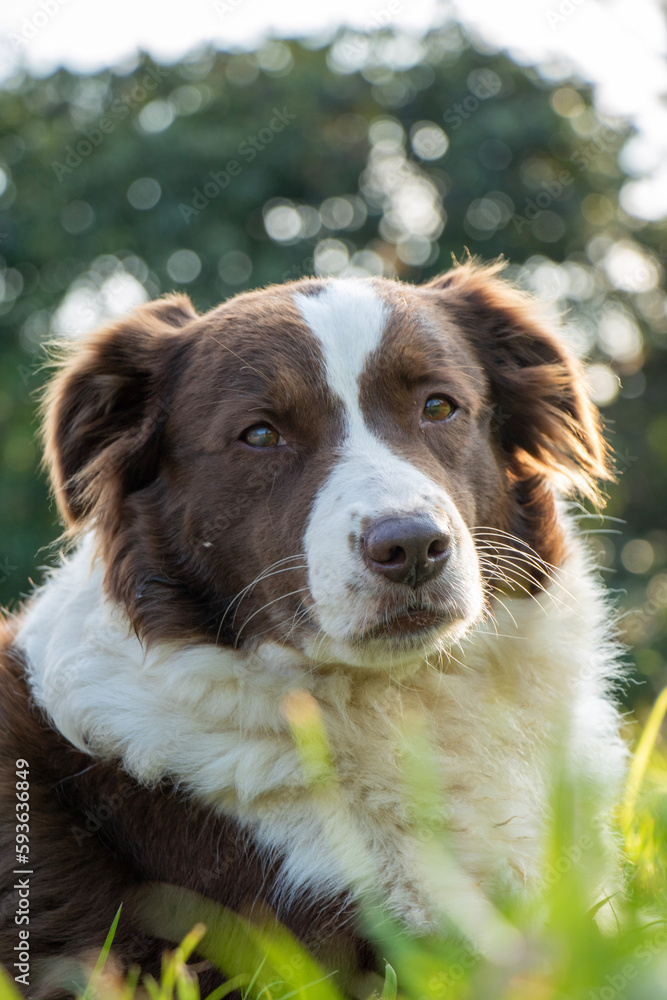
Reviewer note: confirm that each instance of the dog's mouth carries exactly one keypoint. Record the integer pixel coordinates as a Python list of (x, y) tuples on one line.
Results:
[(406, 622)]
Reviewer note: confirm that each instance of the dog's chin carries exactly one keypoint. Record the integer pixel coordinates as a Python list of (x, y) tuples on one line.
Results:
[(401, 641)]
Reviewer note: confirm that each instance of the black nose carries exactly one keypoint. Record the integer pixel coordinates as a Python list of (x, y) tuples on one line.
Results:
[(410, 549)]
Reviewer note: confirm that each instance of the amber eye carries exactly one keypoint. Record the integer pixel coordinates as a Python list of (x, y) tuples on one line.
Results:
[(438, 408), (262, 436)]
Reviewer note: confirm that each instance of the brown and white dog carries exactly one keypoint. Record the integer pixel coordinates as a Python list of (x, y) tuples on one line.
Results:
[(351, 488)]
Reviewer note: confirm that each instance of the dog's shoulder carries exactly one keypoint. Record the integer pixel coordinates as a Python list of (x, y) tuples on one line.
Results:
[(98, 837)]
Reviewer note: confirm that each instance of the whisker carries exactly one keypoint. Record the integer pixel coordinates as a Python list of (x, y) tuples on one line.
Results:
[(521, 572), (505, 563), (264, 575), (500, 635), (523, 545), (500, 573), (268, 604), (515, 559), (521, 550), (602, 531), (256, 635), (450, 657), (267, 572), (297, 617), (598, 517), (524, 555), (502, 604), (246, 591)]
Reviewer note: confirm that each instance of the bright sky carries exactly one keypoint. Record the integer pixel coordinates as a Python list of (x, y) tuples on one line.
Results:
[(619, 46)]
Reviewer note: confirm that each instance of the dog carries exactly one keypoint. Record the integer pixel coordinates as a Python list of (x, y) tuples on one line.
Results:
[(342, 499)]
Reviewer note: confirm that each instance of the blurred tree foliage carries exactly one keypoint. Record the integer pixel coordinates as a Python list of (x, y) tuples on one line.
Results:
[(374, 154)]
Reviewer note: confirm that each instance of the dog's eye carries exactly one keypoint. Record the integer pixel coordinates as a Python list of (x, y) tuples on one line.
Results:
[(438, 408), (262, 436)]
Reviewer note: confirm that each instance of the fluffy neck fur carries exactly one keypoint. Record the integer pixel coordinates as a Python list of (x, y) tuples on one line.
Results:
[(515, 690)]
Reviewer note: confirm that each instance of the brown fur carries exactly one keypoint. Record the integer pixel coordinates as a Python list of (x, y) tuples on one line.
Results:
[(144, 409), (98, 839), (142, 412), (556, 430), (548, 429), (142, 436)]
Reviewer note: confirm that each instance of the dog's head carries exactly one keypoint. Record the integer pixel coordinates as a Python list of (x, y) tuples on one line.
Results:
[(349, 467)]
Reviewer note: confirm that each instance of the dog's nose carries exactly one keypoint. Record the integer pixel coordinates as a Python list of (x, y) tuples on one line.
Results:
[(410, 549)]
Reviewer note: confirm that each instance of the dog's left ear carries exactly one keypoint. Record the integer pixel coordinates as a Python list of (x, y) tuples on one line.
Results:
[(548, 427)]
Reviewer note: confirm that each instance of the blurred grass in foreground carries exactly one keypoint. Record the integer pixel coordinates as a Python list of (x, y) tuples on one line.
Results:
[(546, 947)]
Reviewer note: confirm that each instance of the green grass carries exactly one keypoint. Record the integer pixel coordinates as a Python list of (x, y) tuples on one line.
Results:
[(550, 946)]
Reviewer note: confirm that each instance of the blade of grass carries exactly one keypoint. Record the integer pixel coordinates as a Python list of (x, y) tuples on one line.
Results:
[(7, 989), (131, 982), (104, 954), (152, 987), (186, 988), (186, 985), (233, 984), (640, 763), (390, 988), (237, 946)]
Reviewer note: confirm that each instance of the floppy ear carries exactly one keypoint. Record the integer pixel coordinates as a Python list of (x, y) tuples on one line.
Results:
[(547, 426), (105, 409)]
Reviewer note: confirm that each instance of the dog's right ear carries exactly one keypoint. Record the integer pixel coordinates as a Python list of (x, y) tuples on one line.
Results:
[(105, 409)]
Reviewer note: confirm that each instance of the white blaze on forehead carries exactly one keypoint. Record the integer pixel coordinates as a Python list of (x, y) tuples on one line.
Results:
[(368, 480), (348, 318)]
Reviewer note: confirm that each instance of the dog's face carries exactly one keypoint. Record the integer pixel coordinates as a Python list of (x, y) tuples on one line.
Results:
[(348, 467)]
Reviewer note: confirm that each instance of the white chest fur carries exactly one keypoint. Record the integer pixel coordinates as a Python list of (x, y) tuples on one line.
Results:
[(211, 720)]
